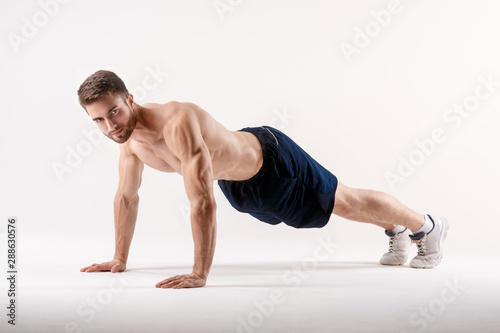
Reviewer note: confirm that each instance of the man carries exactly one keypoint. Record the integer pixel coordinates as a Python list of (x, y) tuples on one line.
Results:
[(260, 170)]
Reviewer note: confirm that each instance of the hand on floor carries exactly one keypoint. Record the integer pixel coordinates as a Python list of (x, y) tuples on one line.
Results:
[(114, 266), (192, 280)]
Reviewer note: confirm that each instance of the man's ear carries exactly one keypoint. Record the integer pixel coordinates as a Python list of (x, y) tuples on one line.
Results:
[(130, 99)]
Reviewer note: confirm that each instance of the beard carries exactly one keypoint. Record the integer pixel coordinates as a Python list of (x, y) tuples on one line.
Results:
[(126, 131)]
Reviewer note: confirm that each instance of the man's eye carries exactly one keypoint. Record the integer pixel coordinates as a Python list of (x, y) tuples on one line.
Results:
[(114, 111), (97, 120)]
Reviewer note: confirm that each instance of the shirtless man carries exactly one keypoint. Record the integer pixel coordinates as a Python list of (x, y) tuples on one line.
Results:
[(260, 170)]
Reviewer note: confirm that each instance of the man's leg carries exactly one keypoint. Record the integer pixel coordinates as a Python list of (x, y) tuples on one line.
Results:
[(387, 212), (375, 207)]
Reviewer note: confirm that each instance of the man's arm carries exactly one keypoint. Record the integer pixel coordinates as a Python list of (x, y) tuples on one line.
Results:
[(184, 138), (126, 203)]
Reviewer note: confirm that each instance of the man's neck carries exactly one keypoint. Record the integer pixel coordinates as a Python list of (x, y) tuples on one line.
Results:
[(144, 130)]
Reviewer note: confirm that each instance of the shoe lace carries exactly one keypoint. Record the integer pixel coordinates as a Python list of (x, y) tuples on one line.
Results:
[(392, 241), (421, 248)]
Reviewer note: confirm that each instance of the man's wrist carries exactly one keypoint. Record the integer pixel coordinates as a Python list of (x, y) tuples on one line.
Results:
[(120, 260), (200, 275)]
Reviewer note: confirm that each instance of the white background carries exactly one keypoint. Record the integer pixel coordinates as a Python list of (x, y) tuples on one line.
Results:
[(277, 63)]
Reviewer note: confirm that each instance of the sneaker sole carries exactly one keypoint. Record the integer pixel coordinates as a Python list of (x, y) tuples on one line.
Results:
[(388, 264)]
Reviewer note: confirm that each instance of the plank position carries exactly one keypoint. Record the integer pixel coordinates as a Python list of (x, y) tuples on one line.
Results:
[(260, 170)]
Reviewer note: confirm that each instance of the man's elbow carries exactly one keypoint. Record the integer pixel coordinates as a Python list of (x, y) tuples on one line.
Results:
[(126, 199), (203, 204)]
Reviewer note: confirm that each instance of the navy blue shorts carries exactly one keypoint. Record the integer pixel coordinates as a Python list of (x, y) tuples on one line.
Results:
[(291, 187)]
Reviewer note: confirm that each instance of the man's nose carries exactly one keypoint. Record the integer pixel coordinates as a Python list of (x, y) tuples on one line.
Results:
[(110, 125)]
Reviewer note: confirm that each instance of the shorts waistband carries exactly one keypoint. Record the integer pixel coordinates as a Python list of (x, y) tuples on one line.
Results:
[(269, 143)]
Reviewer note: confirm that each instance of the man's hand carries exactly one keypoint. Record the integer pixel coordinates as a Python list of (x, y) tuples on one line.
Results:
[(114, 266), (192, 280)]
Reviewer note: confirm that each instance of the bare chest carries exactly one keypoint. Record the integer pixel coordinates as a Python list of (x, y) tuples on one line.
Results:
[(157, 156)]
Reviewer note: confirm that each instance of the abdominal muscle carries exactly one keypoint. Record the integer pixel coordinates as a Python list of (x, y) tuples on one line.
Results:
[(238, 158)]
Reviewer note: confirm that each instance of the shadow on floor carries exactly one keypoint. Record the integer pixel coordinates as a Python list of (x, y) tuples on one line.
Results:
[(272, 266)]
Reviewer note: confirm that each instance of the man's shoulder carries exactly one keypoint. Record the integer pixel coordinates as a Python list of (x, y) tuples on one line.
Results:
[(180, 114), (170, 105)]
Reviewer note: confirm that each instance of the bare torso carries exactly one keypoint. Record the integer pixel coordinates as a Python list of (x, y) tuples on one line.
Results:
[(235, 155)]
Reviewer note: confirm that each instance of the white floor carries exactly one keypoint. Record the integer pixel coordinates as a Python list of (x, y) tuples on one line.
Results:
[(319, 293)]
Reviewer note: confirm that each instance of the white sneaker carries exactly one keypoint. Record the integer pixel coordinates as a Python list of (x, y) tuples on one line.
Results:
[(430, 245), (398, 248)]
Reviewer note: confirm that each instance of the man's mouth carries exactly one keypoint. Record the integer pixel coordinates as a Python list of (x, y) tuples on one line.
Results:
[(116, 132)]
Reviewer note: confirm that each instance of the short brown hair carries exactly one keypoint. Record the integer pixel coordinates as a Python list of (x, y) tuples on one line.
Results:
[(99, 85)]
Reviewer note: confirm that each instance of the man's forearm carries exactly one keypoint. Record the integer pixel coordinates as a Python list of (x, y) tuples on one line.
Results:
[(125, 212), (204, 227)]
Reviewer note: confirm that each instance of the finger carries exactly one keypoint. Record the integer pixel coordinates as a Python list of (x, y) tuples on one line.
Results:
[(174, 278), (189, 283), (86, 267), (90, 269), (180, 285), (91, 266), (169, 282), (176, 284), (98, 268), (173, 285), (164, 283)]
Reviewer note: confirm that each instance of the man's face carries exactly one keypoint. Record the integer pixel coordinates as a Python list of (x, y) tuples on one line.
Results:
[(114, 117)]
